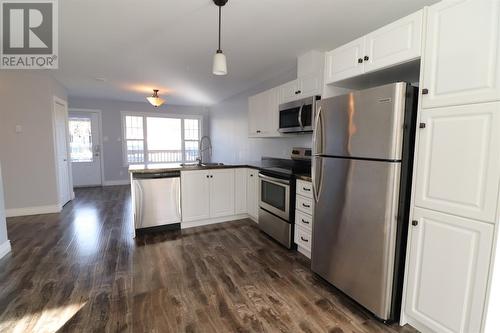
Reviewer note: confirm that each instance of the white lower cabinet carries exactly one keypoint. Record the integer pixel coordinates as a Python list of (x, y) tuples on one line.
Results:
[(240, 178), (447, 272), (207, 194), (195, 195), (219, 193), (222, 192), (304, 217), (253, 193)]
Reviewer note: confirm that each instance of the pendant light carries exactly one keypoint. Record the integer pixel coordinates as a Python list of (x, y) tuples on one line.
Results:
[(155, 100), (220, 63)]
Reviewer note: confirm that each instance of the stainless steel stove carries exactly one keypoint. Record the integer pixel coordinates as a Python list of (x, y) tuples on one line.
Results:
[(277, 195)]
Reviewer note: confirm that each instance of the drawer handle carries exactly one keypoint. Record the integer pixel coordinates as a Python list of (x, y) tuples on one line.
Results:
[(306, 189), (306, 206), (305, 222), (304, 239)]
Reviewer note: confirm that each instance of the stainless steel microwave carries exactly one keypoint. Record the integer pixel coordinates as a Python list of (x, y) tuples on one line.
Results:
[(298, 116)]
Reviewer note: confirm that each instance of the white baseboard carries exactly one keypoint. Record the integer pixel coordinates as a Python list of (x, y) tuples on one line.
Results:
[(116, 182), (4, 248), (192, 224), (304, 251), (25, 211)]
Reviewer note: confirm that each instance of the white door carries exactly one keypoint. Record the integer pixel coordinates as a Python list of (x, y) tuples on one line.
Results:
[(195, 195), (221, 192), (461, 60), (62, 155), (253, 193), (345, 61), (448, 272), (395, 43), (459, 160), (241, 191), (85, 148)]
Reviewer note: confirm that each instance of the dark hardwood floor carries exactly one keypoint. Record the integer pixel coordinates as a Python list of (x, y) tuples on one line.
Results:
[(81, 271)]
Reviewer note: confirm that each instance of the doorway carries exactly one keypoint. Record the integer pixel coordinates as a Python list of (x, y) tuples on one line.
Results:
[(85, 147)]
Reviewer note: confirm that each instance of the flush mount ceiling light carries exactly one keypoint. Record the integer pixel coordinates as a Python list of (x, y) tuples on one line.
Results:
[(155, 100), (220, 64)]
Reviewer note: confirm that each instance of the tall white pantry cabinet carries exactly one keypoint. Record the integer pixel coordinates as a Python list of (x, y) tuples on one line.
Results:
[(451, 282)]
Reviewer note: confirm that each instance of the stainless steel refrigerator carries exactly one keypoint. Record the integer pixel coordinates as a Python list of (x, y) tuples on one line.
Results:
[(363, 152)]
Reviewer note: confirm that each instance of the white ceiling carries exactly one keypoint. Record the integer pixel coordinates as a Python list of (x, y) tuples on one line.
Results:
[(140, 45)]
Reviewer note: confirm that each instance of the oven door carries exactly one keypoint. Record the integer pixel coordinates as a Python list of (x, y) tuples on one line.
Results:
[(297, 116), (275, 196)]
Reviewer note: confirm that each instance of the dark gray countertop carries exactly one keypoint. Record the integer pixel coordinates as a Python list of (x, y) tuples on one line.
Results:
[(158, 168)]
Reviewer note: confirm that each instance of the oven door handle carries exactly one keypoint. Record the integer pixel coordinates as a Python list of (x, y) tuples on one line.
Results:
[(274, 180), (300, 116)]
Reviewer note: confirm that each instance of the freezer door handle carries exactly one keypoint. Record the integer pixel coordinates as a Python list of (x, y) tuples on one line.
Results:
[(318, 133)]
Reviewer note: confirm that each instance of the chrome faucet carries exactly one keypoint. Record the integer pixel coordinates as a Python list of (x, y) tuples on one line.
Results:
[(202, 149)]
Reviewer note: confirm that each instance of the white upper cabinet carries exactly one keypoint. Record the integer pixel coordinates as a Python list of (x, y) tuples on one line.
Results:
[(309, 82), (448, 272), (263, 114), (391, 45), (345, 61), (395, 43), (459, 160), (462, 55), (289, 91)]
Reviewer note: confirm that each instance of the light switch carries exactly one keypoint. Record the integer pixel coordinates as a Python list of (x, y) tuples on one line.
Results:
[(19, 129)]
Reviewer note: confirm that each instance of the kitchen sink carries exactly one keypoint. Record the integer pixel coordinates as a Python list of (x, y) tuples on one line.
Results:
[(196, 165), (212, 164)]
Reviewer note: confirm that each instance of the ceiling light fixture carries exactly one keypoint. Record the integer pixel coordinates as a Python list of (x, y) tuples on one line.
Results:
[(220, 63), (155, 100)]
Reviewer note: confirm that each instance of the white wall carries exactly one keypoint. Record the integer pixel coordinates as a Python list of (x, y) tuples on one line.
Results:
[(27, 158), (4, 241), (114, 169), (229, 129)]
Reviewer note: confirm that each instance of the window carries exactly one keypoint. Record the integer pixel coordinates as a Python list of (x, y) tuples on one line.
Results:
[(80, 140), (160, 139)]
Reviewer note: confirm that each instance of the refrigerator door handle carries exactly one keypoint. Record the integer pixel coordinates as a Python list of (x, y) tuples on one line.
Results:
[(317, 177), (318, 134)]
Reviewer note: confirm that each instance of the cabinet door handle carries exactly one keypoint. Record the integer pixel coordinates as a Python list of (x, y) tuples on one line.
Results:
[(422, 125), (258, 131), (208, 176), (425, 91), (304, 221), (414, 223), (251, 175), (360, 60), (304, 239), (211, 176), (366, 58)]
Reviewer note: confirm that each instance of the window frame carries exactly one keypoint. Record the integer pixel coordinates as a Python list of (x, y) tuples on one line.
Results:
[(146, 115)]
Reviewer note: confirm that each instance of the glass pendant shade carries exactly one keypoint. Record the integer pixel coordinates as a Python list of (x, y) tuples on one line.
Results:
[(220, 64), (155, 100)]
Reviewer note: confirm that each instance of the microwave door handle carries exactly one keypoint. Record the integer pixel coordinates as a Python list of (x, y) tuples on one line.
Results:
[(300, 116)]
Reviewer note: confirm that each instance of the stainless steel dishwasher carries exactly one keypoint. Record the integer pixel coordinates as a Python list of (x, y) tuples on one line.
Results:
[(156, 199)]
